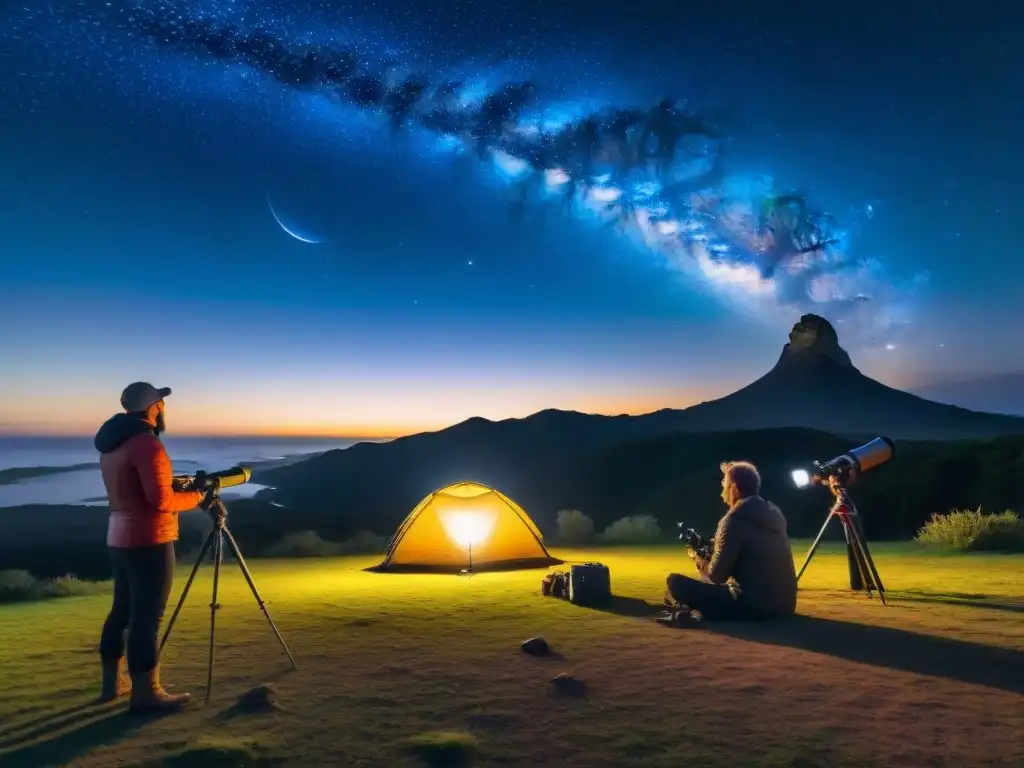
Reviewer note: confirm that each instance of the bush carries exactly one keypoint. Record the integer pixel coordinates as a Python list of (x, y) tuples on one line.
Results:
[(974, 531), (71, 586), (636, 529), (302, 544), (574, 527), (364, 543), (309, 544), (23, 587), (19, 587)]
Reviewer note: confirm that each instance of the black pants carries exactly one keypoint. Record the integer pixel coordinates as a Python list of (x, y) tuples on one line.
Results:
[(142, 584), (715, 602)]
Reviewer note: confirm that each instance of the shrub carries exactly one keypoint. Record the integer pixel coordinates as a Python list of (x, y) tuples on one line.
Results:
[(574, 527), (636, 529), (302, 544), (974, 531), (71, 586), (23, 587), (310, 544), (364, 543), (19, 587)]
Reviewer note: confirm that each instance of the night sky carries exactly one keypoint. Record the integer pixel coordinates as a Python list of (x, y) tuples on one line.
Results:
[(149, 188)]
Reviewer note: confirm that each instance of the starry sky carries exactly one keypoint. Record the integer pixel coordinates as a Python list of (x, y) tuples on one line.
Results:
[(158, 200)]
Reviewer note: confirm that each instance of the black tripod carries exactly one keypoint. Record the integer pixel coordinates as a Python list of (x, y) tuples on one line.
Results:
[(863, 574), (214, 506)]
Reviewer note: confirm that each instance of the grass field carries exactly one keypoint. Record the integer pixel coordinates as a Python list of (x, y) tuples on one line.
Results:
[(935, 678)]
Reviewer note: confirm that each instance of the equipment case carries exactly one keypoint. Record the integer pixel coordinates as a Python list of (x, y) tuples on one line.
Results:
[(590, 584)]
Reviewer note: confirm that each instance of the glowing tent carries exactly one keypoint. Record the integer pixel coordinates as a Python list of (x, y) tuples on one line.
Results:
[(466, 526)]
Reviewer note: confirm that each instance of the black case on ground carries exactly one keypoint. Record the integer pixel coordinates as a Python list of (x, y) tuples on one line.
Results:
[(590, 584)]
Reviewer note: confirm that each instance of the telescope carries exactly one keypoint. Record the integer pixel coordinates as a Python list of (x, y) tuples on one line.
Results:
[(847, 466), (210, 481), (836, 475)]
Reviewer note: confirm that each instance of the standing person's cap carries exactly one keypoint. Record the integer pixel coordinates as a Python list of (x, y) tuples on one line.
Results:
[(140, 395)]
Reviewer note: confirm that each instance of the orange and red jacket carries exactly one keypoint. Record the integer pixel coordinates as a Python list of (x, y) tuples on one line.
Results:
[(137, 473)]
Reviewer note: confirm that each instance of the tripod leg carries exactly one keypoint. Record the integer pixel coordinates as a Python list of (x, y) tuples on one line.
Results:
[(869, 562), (218, 554), (184, 592), (854, 565), (255, 593), (814, 546), (859, 576)]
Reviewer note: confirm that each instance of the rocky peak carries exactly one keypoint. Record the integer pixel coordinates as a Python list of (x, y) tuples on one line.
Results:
[(813, 337)]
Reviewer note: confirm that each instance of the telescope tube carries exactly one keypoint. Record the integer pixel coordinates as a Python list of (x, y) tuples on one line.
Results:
[(873, 454), (234, 476)]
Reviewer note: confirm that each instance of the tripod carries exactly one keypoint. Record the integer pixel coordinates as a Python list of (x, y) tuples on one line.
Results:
[(214, 506), (863, 574)]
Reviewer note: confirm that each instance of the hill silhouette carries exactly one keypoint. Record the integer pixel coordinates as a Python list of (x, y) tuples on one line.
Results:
[(813, 404), (1000, 393), (673, 477)]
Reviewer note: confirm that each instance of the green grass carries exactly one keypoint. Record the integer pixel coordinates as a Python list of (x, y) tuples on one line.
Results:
[(933, 679)]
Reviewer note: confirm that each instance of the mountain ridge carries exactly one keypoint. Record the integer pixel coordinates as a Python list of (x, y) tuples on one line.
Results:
[(1001, 393), (812, 402), (814, 384)]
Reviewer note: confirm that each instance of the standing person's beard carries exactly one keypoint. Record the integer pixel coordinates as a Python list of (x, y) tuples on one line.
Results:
[(161, 424)]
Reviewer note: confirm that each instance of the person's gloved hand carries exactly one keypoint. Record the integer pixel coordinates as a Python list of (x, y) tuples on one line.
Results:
[(205, 483)]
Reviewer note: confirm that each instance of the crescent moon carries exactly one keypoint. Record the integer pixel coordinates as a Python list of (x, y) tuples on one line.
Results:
[(284, 226)]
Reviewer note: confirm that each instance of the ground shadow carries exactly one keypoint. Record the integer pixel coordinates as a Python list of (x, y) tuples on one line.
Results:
[(633, 607), (896, 649), (33, 749), (50, 721), (958, 598)]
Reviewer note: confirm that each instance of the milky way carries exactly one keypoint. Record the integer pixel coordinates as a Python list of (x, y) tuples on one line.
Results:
[(658, 174)]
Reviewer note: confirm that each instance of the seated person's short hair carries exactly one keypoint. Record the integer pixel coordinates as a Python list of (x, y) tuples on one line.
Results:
[(744, 476)]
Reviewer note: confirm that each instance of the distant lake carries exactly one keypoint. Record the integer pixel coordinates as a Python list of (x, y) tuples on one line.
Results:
[(188, 454)]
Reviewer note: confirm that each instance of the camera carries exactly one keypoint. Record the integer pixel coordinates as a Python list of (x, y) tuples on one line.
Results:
[(695, 541), (213, 481), (848, 466)]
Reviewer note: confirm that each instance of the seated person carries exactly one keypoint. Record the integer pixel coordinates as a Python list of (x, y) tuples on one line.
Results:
[(749, 574)]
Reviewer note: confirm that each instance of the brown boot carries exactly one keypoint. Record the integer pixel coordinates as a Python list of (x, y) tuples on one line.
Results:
[(116, 682), (149, 696)]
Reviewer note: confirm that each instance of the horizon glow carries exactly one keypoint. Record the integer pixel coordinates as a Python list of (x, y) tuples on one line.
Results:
[(136, 241)]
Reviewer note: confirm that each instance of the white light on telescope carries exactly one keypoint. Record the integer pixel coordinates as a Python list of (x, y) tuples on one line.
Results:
[(468, 527), (801, 478)]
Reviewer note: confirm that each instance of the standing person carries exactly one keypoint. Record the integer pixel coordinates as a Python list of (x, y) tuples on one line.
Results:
[(141, 533)]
